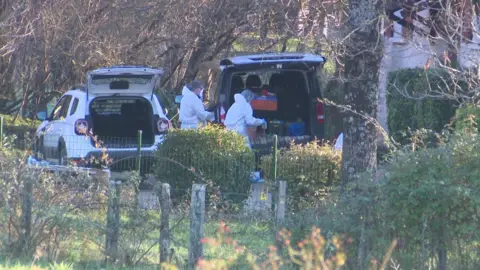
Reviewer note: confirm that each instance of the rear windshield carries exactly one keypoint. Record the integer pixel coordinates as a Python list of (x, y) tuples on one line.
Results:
[(111, 106), (269, 83), (132, 79)]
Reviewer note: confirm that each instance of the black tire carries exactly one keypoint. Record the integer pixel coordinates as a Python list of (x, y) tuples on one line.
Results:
[(62, 155)]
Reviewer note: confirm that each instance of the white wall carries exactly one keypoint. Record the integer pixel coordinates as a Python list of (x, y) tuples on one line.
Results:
[(469, 55)]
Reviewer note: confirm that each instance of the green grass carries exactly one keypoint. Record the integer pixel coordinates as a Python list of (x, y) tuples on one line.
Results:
[(80, 253), (255, 236)]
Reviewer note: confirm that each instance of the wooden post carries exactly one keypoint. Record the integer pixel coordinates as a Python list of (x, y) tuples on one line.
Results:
[(280, 210), (113, 222), (26, 225), (165, 203), (282, 196), (1, 131), (139, 151), (197, 218)]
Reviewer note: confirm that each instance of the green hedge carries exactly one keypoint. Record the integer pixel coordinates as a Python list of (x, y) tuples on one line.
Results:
[(308, 169), (210, 155), (428, 113), (466, 118), (20, 127)]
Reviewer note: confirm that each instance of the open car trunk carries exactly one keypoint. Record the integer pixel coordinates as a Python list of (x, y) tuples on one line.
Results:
[(116, 121), (283, 100)]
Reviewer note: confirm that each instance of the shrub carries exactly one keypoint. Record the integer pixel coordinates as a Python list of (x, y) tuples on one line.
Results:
[(416, 113), (21, 128), (55, 204), (466, 118), (210, 155), (426, 197), (431, 196), (308, 169)]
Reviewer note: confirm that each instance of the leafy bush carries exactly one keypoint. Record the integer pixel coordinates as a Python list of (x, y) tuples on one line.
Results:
[(20, 127), (432, 196), (467, 117), (54, 204), (426, 197), (308, 169), (209, 155), (308, 254), (416, 113)]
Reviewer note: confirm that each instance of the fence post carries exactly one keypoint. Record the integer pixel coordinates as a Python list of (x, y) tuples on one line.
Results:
[(273, 203), (274, 161), (26, 225), (281, 199), (280, 211), (1, 131), (197, 218), (164, 222), (113, 221), (139, 150)]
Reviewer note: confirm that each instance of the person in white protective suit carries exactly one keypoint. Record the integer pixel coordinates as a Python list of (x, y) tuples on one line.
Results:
[(192, 111), (240, 115)]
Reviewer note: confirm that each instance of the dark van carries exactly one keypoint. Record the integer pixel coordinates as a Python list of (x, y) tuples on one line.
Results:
[(288, 94)]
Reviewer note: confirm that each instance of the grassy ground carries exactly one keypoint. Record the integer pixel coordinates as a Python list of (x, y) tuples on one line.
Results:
[(77, 253)]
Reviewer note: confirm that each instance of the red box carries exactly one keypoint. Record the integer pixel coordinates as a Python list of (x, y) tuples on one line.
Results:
[(265, 104)]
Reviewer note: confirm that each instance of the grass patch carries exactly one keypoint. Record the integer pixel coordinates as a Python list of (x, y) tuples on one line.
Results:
[(82, 250)]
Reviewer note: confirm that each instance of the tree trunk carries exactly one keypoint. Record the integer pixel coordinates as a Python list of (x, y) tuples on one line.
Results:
[(442, 249), (362, 63)]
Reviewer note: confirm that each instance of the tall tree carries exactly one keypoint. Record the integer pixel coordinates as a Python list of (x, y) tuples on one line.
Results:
[(363, 46)]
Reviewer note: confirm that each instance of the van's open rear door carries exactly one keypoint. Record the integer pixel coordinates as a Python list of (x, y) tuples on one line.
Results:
[(275, 60)]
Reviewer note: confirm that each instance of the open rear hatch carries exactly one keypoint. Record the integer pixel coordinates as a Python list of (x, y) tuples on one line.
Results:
[(121, 105), (275, 60), (122, 80), (287, 95)]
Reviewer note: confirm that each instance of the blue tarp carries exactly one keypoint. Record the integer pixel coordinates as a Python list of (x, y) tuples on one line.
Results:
[(33, 161)]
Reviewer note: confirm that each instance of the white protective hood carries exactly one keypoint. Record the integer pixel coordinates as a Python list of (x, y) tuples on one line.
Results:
[(240, 115), (192, 112)]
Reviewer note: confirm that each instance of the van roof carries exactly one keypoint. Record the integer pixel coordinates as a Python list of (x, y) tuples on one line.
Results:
[(273, 58)]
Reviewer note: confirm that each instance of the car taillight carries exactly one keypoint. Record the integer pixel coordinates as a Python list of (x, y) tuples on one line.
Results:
[(163, 125), (320, 112), (81, 127), (223, 114)]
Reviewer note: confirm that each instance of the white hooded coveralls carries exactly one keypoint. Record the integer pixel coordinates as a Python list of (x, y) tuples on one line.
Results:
[(240, 115), (192, 112)]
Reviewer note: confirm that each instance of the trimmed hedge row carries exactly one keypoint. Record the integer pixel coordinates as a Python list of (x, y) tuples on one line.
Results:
[(428, 113), (22, 128), (220, 158), (211, 155), (309, 171)]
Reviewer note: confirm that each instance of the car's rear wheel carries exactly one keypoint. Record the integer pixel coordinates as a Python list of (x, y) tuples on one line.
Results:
[(62, 155)]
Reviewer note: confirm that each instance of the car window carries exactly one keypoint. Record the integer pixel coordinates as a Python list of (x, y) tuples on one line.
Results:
[(57, 109), (65, 106), (74, 106), (60, 110)]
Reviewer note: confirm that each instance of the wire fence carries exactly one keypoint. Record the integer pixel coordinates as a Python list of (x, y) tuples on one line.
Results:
[(99, 218), (93, 211), (215, 162), (83, 192)]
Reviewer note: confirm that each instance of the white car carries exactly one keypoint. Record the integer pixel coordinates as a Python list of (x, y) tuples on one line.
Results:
[(114, 105)]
